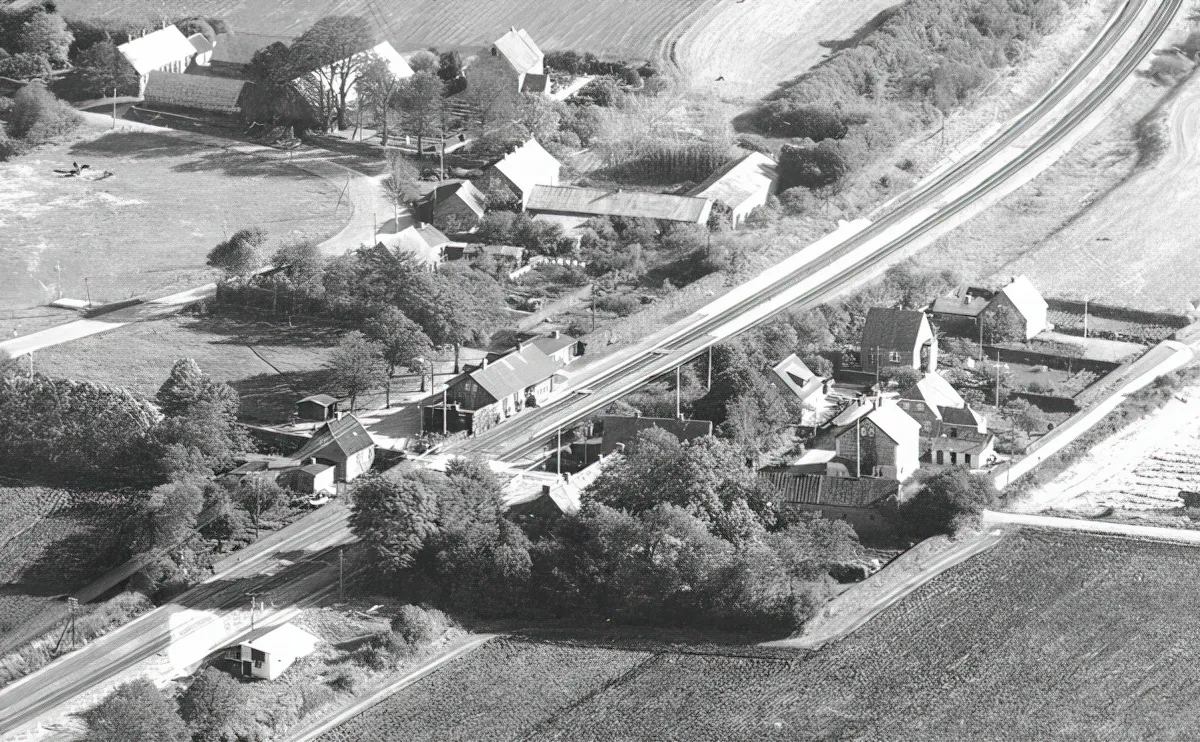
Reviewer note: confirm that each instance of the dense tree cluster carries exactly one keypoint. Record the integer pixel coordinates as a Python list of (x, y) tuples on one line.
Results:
[(36, 117), (865, 99), (672, 534), (33, 41)]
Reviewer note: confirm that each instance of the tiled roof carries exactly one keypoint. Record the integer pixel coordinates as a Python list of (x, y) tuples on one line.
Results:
[(423, 243), (895, 422), (549, 344), (636, 204), (336, 440), (934, 390), (519, 49), (1025, 297), (961, 416), (816, 489), (158, 49), (963, 445), (515, 372), (201, 92), (892, 328), (322, 399), (739, 181), (466, 192)]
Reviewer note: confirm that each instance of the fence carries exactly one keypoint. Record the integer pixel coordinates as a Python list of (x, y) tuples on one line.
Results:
[(537, 260), (1120, 313), (1033, 358)]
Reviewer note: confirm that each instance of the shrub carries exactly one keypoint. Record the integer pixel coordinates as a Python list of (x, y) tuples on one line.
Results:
[(418, 625), (343, 682), (946, 500), (813, 121), (240, 254), (37, 116), (25, 66), (381, 651), (602, 91), (621, 304), (811, 167)]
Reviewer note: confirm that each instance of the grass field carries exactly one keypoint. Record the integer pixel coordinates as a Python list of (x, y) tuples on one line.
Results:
[(146, 229), (1045, 636), (270, 364), (502, 691)]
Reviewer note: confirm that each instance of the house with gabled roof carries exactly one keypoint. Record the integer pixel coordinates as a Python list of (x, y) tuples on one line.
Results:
[(795, 378), (319, 407), (269, 651), (897, 337), (233, 52), (925, 400), (524, 58), (165, 50), (342, 443), (423, 242), (484, 396), (1016, 312), (592, 202), (865, 503), (457, 207), (878, 439), (521, 170), (741, 186)]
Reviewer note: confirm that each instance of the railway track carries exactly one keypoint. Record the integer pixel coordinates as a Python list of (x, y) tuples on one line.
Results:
[(527, 435)]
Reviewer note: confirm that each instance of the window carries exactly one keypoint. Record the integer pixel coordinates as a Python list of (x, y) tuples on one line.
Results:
[(953, 432), (967, 458), (894, 356), (953, 457)]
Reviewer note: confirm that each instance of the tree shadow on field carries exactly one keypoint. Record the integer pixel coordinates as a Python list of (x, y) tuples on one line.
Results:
[(139, 144), (236, 164), (271, 398), (83, 553), (200, 157), (238, 328)]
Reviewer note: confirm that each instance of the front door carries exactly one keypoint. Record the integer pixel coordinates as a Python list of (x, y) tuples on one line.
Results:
[(246, 669)]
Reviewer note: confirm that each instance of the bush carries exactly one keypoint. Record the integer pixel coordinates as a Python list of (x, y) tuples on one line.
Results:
[(811, 167), (602, 91), (381, 651), (946, 500), (813, 121), (418, 625), (622, 305), (240, 254), (25, 66), (37, 116)]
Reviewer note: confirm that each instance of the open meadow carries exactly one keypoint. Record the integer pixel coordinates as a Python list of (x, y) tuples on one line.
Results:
[(145, 229), (270, 364), (1048, 635)]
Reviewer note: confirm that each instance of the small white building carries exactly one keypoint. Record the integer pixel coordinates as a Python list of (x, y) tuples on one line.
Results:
[(204, 49), (523, 56), (741, 186), (269, 652), (812, 391), (521, 170), (165, 50)]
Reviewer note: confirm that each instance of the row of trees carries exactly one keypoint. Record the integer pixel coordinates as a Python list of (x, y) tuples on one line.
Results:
[(671, 533)]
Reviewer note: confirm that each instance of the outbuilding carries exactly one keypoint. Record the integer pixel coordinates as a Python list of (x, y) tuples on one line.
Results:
[(165, 50), (268, 652), (319, 407), (741, 186)]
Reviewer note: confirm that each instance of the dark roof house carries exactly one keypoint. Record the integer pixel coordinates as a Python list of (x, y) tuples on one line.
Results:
[(337, 440), (515, 372), (453, 199), (898, 337), (199, 92)]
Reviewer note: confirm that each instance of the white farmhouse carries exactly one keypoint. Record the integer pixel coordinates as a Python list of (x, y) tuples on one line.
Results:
[(166, 50)]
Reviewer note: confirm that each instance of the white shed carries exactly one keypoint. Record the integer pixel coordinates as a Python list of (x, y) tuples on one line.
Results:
[(267, 654)]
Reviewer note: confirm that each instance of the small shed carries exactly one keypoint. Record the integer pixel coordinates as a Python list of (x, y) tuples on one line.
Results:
[(269, 652), (313, 478), (319, 407)]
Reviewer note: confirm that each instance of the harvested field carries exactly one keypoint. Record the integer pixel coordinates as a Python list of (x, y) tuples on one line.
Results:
[(616, 27), (270, 364), (501, 691), (1045, 636), (757, 45), (145, 229)]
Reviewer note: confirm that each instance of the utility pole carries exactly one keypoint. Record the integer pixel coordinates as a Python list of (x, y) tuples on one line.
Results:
[(997, 378), (593, 313), (708, 386), (877, 367), (858, 448), (444, 412), (341, 575), (1085, 318), (558, 451), (252, 601), (88, 290), (979, 321), (31, 364), (114, 125), (678, 414)]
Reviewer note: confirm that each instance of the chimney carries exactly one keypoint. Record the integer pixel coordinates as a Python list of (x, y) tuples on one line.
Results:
[(484, 363), (313, 460), (339, 415), (512, 29), (637, 413), (554, 335)]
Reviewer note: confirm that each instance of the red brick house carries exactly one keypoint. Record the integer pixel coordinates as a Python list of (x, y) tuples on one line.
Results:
[(875, 438)]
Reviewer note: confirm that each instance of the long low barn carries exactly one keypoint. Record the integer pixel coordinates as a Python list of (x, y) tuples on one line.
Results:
[(588, 202), (200, 92)]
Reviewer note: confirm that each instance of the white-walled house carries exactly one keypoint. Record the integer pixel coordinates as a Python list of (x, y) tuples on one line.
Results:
[(269, 652), (165, 50)]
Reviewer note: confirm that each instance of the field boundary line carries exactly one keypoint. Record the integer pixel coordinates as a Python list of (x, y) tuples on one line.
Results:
[(844, 628), (459, 648), (1157, 533)]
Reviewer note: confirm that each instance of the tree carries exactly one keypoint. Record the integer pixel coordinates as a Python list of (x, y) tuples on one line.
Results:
[(191, 26), (420, 100), (135, 712), (424, 61), (402, 184), (200, 433), (450, 69), (184, 387), (377, 86), (947, 499), (37, 116), (241, 254), (103, 69), (401, 339), (491, 94), (357, 366), (394, 517), (811, 167), (173, 509), (258, 495), (904, 376), (46, 34), (212, 704), (25, 66), (328, 58)]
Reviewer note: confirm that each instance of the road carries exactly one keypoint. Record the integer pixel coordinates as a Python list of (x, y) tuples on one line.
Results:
[(856, 251), (365, 205), (293, 567), (817, 273)]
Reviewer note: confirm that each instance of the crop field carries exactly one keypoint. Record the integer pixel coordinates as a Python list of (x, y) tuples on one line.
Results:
[(53, 541), (628, 28), (270, 364), (1046, 636), (756, 45), (500, 691), (145, 229)]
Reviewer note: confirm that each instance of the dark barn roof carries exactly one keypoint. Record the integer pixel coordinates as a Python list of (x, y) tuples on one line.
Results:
[(892, 328)]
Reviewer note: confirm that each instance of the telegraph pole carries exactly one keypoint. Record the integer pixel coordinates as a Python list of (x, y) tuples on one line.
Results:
[(858, 448), (708, 386), (341, 575), (678, 414), (558, 451), (997, 377), (1085, 318), (114, 125), (444, 412)]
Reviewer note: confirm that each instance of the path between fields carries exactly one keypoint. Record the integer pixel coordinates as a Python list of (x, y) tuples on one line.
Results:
[(364, 202), (852, 609), (996, 519), (454, 650)]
